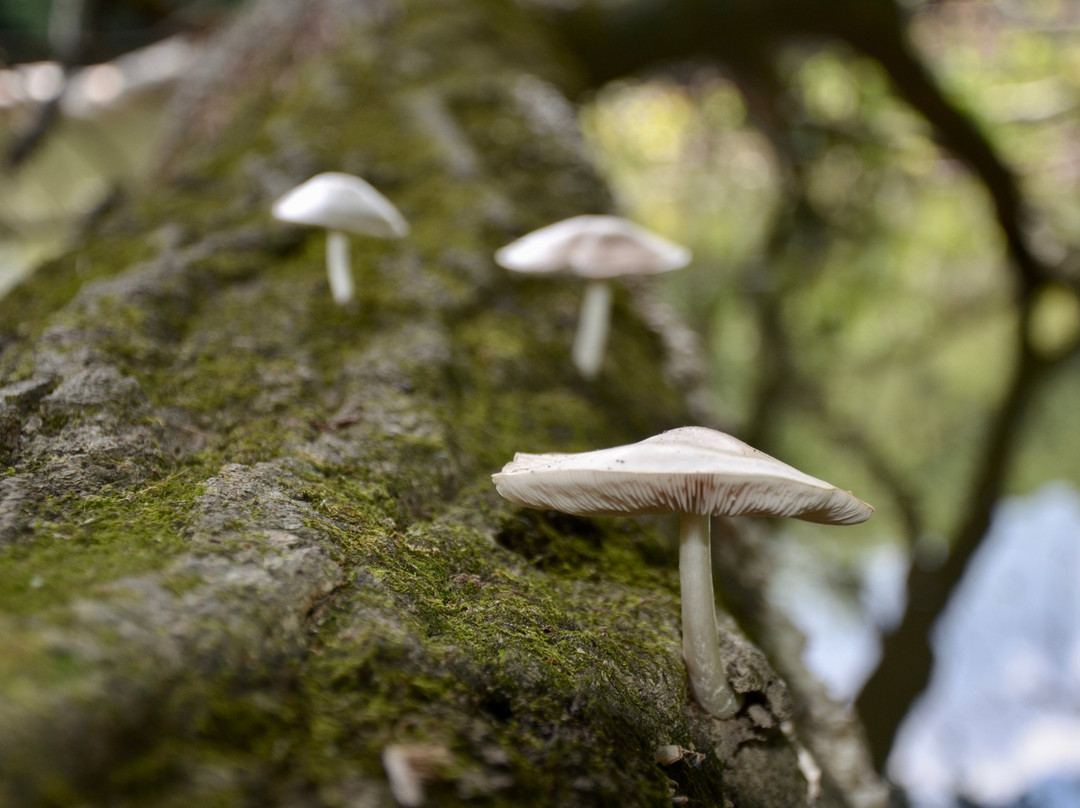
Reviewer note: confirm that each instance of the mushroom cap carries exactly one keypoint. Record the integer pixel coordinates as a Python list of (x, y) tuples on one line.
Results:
[(593, 247), (689, 470), (339, 201)]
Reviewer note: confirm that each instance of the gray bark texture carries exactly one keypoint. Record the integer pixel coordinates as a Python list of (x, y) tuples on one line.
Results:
[(250, 553)]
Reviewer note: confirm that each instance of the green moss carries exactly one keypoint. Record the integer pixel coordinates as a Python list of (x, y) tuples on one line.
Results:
[(82, 542), (49, 665), (24, 309), (497, 634), (372, 680), (444, 638)]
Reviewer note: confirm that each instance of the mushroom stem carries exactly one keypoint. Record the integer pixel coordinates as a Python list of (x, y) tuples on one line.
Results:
[(708, 676), (592, 328), (337, 266)]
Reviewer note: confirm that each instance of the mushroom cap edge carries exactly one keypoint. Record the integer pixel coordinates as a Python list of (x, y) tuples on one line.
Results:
[(593, 246), (687, 470), (339, 201)]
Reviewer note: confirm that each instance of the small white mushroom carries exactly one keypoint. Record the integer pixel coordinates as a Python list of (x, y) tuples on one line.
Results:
[(342, 204), (409, 766), (669, 754), (697, 473), (809, 767), (597, 248)]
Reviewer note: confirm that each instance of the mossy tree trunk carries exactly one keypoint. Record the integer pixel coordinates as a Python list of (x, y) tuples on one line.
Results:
[(249, 549)]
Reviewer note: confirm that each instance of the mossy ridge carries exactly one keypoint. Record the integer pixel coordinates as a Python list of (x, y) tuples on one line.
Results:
[(24, 309), (379, 673), (81, 541), (335, 711), (216, 191), (468, 599)]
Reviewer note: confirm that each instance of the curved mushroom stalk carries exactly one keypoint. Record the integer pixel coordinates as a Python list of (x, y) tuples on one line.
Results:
[(701, 650), (592, 332), (337, 266)]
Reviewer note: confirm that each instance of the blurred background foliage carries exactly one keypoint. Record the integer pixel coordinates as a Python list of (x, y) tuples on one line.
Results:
[(864, 319), (82, 90), (851, 286), (892, 313)]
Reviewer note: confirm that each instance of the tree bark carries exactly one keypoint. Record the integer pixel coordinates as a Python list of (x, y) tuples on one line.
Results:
[(249, 548)]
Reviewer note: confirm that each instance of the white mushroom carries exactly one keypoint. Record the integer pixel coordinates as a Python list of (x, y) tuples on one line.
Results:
[(340, 203), (597, 248), (697, 473)]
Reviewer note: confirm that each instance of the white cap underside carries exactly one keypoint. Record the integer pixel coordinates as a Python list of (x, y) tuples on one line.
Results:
[(688, 470), (339, 201), (593, 247)]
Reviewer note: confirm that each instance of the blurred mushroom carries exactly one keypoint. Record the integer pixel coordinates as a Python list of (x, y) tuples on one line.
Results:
[(340, 203), (697, 473), (597, 248), (409, 766)]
